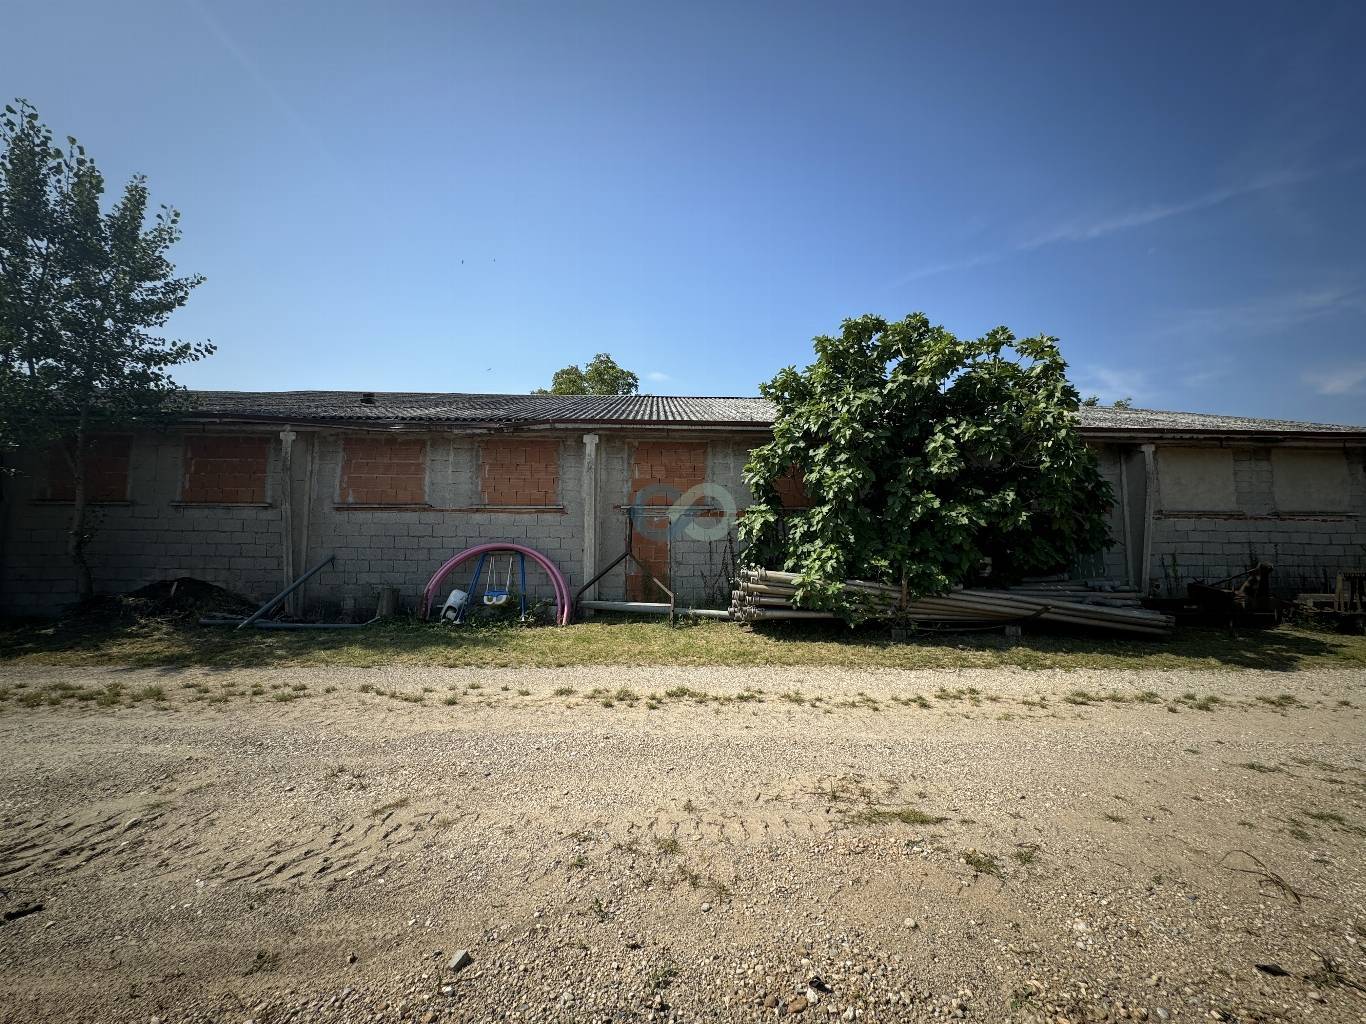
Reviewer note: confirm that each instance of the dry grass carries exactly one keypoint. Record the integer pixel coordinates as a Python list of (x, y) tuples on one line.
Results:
[(621, 642), (982, 863)]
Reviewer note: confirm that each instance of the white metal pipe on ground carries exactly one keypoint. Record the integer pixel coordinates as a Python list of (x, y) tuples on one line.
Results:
[(775, 613), (1090, 613), (1003, 600), (767, 593), (1056, 612), (1093, 611), (773, 576), (969, 610), (653, 608), (785, 589), (914, 612), (1067, 618), (793, 577)]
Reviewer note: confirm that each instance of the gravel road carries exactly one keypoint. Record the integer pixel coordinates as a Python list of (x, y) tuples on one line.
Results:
[(682, 844)]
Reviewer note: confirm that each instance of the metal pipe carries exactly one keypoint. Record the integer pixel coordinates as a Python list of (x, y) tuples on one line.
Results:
[(653, 608), (210, 620), (1156, 625), (764, 613), (990, 605), (774, 577), (269, 624), (287, 591), (1092, 613), (1096, 611)]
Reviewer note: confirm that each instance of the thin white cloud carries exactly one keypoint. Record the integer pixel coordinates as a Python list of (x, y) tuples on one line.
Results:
[(1344, 380), (1110, 384), (302, 124), (1087, 230), (951, 265), (657, 377), (1091, 228), (1265, 313), (1205, 377)]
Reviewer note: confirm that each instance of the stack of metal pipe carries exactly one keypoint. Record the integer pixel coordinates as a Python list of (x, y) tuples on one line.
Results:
[(766, 594)]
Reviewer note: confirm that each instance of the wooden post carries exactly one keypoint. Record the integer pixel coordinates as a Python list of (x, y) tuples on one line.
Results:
[(1149, 504), (1124, 515), (388, 603), (590, 511), (287, 437)]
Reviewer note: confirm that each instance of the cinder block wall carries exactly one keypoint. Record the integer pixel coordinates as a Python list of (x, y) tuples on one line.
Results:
[(1307, 546), (149, 536), (694, 555), (471, 483), (469, 490), (473, 486)]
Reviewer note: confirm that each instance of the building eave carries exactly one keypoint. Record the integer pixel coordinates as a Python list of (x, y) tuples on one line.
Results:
[(1318, 438)]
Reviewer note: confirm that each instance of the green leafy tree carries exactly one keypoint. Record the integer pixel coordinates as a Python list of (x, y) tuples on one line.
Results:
[(923, 454), (602, 376), (82, 293)]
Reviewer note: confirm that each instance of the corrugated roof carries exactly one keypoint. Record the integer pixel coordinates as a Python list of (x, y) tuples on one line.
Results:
[(402, 407), (430, 407), (1106, 418)]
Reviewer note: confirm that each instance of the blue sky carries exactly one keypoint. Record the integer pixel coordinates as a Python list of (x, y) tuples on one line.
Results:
[(464, 197)]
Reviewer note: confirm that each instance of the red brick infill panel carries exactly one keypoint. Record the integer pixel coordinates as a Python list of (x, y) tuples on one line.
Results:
[(225, 470), (383, 471)]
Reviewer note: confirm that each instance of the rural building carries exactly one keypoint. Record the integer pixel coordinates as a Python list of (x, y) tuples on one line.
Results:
[(254, 487)]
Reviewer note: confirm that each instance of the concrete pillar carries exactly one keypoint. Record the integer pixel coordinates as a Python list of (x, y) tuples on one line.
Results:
[(287, 437), (310, 476), (1149, 504), (590, 510), (1124, 515)]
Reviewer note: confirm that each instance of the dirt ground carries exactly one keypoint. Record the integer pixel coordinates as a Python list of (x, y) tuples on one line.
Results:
[(681, 844)]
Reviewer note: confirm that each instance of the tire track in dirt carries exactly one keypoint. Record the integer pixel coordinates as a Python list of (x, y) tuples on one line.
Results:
[(149, 842)]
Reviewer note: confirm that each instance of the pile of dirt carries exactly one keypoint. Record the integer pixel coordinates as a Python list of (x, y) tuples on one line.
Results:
[(183, 599)]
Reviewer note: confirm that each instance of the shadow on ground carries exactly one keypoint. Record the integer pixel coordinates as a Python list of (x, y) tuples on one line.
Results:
[(151, 643)]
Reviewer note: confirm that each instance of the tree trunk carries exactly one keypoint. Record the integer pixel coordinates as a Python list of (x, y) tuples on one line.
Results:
[(76, 535)]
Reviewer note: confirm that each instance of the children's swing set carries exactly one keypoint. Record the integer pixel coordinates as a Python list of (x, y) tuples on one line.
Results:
[(496, 592), (493, 569)]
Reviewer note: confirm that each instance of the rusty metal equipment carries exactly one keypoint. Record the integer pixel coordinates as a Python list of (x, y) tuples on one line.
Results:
[(1248, 603), (629, 554), (1350, 595), (1344, 607)]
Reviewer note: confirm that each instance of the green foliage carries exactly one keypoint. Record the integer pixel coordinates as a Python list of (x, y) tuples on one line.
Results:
[(82, 292), (602, 376), (1093, 401), (923, 454)]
